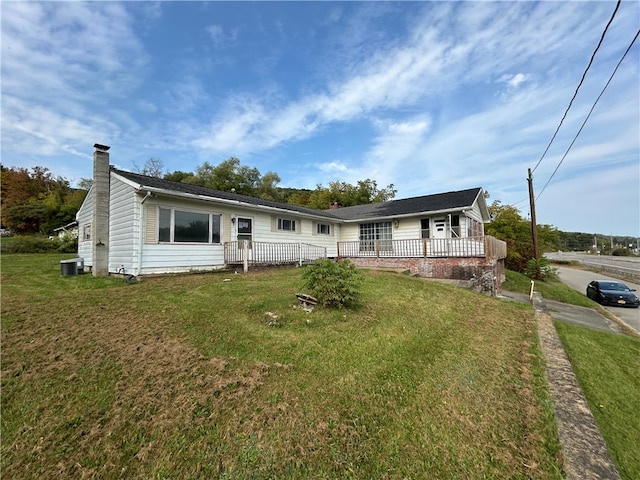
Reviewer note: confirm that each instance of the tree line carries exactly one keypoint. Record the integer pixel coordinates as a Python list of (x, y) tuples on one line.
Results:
[(231, 175), (35, 201)]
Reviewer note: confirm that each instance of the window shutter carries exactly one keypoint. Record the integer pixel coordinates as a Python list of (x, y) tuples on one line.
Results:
[(150, 224)]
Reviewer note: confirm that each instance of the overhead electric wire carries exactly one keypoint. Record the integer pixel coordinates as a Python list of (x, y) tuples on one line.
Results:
[(579, 84), (590, 111)]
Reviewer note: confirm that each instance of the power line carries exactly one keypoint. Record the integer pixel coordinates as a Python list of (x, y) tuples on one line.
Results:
[(590, 111), (579, 84)]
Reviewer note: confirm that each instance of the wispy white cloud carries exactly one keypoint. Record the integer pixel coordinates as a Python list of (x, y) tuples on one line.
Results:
[(62, 63), (453, 94)]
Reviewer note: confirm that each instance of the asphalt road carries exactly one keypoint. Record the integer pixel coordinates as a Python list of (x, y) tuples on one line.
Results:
[(629, 266), (578, 280)]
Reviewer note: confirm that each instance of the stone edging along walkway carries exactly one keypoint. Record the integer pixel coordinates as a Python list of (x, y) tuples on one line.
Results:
[(585, 453)]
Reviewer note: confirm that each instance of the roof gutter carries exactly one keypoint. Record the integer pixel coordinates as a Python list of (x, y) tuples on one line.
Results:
[(138, 267), (410, 215)]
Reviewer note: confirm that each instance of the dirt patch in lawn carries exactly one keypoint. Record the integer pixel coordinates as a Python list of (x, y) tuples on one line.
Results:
[(150, 379)]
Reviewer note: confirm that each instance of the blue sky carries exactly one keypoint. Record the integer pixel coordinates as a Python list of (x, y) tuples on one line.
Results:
[(429, 96)]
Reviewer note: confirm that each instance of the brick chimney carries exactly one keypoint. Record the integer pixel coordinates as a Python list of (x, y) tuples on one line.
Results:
[(100, 222)]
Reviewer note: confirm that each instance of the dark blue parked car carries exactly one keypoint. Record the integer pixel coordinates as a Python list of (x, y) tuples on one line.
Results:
[(611, 292)]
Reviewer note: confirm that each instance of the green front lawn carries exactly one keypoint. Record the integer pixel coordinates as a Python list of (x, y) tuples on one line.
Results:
[(218, 376)]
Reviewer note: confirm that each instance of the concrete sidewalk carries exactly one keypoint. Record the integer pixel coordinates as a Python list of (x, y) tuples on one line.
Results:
[(586, 455), (582, 316)]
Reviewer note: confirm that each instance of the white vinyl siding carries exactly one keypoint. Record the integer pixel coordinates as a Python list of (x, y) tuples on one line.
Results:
[(84, 218), (124, 227)]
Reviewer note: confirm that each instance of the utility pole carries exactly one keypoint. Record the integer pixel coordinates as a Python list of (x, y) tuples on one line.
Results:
[(534, 228)]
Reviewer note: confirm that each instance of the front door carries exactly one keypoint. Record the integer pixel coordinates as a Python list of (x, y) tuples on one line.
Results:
[(440, 228), (245, 231)]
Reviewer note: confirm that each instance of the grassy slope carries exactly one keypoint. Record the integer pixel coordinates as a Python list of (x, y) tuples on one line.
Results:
[(607, 368), (219, 376)]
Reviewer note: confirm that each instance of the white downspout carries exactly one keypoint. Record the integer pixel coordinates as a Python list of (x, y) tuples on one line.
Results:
[(138, 267)]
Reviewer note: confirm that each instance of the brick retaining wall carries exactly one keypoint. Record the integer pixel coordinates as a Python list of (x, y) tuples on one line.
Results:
[(469, 269)]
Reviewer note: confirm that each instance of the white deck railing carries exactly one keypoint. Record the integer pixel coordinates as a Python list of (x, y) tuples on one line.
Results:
[(275, 253), (271, 253), (485, 246)]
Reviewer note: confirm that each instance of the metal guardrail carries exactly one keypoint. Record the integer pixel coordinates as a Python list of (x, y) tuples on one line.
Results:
[(633, 273), (627, 267)]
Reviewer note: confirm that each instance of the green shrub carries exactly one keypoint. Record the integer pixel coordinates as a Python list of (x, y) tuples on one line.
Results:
[(40, 244), (334, 284), (68, 244)]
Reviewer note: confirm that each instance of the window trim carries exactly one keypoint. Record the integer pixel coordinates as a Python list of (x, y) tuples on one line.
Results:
[(279, 223), (86, 232), (318, 228)]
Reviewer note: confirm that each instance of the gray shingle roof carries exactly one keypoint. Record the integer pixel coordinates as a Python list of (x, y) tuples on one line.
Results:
[(427, 203), (170, 186)]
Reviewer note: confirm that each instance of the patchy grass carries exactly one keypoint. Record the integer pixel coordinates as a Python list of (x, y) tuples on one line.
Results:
[(607, 368), (219, 376)]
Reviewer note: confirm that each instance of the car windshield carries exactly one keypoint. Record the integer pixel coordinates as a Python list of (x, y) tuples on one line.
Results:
[(613, 286)]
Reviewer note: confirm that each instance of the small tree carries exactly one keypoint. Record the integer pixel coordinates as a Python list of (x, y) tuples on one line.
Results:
[(540, 269), (334, 284)]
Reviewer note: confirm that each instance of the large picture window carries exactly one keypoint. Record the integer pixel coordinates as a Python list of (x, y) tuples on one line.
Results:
[(181, 226), (370, 232)]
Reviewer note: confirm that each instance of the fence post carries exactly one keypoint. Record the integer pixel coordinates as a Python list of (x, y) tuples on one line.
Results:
[(532, 290), (377, 248), (300, 254), (245, 255)]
